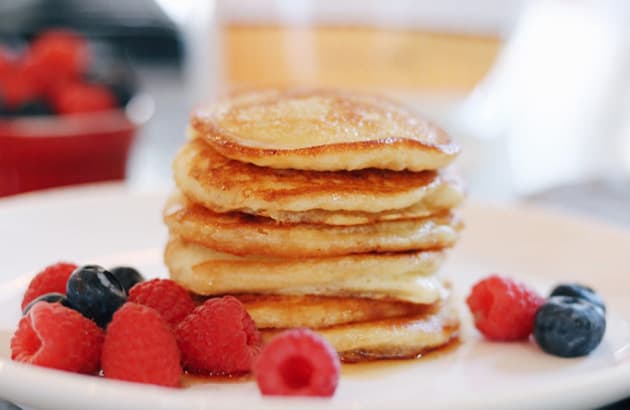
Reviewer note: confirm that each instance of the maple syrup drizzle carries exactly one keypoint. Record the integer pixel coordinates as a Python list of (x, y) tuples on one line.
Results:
[(359, 370)]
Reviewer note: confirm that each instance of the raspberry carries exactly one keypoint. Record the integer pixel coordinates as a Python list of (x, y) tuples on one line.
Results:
[(218, 337), (51, 279), (57, 56), (16, 89), (7, 61), (83, 98), (52, 335), (297, 362), (164, 295), (503, 309), (140, 347)]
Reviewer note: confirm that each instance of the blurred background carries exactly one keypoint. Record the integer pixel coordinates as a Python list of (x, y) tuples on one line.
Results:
[(537, 92)]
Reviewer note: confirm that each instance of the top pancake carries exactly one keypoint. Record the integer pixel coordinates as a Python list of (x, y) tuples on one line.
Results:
[(322, 130)]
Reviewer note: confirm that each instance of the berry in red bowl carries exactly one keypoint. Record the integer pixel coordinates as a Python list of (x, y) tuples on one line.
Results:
[(58, 126), (57, 56), (81, 98)]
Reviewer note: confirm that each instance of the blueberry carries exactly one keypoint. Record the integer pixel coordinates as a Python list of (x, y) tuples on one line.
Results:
[(95, 293), (127, 276), (50, 298), (4, 110), (579, 291), (114, 71), (33, 108), (568, 326)]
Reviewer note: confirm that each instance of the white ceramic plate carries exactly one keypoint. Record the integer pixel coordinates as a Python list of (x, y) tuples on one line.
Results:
[(109, 226)]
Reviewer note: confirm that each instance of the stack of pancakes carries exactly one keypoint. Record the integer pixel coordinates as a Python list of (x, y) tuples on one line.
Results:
[(322, 209)]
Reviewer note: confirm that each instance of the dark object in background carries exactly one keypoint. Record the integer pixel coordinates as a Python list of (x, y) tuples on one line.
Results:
[(139, 28), (110, 68), (34, 107)]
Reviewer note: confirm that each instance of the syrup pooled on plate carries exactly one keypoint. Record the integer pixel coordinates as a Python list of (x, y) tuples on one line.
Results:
[(382, 367), (357, 370)]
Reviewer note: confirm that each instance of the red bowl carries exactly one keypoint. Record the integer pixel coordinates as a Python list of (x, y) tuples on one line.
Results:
[(49, 151)]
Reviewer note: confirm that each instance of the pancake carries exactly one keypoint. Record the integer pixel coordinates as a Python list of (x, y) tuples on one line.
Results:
[(322, 130), (223, 185), (243, 234), (279, 312), (444, 198), (395, 276), (397, 338)]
